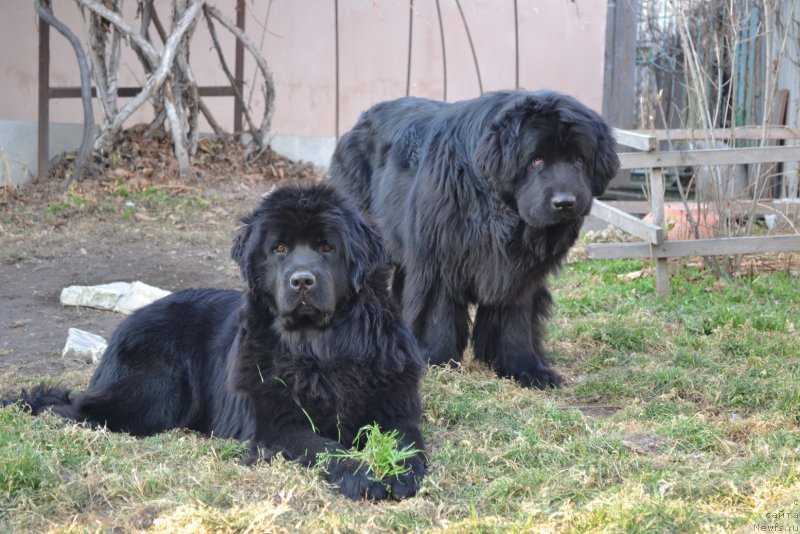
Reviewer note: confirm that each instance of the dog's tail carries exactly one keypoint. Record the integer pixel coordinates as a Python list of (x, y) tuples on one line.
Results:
[(39, 398)]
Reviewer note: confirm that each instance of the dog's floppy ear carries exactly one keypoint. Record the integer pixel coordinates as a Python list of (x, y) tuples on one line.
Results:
[(365, 252), (606, 160), (239, 250), (496, 155), (488, 155)]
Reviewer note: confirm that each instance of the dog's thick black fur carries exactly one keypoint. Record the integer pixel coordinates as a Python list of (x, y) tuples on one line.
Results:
[(313, 341), (479, 201)]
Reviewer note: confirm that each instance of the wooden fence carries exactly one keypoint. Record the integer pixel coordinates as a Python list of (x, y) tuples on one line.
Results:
[(649, 157)]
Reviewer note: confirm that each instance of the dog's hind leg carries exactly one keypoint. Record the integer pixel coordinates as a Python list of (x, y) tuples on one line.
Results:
[(140, 404), (38, 399), (440, 324), (511, 339)]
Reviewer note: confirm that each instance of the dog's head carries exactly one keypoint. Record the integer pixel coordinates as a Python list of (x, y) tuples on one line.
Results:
[(304, 252), (547, 155)]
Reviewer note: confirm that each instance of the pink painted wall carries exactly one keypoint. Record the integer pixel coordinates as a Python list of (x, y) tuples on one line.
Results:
[(561, 47)]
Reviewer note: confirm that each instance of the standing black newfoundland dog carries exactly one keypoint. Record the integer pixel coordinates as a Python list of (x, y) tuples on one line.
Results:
[(314, 339), (479, 201)]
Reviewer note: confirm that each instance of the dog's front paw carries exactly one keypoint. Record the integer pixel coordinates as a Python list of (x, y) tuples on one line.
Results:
[(407, 485), (256, 452), (541, 378), (355, 481)]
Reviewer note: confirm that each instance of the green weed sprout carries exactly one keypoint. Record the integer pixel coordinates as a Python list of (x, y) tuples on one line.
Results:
[(381, 452)]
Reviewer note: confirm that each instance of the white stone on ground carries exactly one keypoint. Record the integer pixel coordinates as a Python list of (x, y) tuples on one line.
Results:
[(84, 346), (104, 296), (140, 295), (122, 297)]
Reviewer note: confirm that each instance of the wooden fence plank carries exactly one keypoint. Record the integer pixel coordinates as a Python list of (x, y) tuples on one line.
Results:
[(657, 209), (773, 133), (695, 247), (630, 223), (725, 156), (656, 246), (636, 140)]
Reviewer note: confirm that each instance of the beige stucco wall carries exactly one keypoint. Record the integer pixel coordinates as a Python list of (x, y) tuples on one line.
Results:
[(561, 47)]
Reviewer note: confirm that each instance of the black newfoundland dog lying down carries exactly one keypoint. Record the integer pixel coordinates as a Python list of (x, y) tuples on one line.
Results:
[(479, 201), (313, 339)]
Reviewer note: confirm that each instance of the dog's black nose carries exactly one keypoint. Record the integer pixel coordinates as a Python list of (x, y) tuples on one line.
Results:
[(564, 201), (302, 281)]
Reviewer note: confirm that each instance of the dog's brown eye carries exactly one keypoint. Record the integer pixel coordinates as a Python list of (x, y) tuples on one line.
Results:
[(280, 248), (579, 162), (326, 249)]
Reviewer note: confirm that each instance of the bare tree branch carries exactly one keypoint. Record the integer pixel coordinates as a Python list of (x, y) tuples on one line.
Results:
[(203, 108), (269, 84), (154, 81), (170, 84), (138, 42), (144, 9), (86, 90), (177, 131), (237, 95), (97, 51), (186, 84), (113, 70)]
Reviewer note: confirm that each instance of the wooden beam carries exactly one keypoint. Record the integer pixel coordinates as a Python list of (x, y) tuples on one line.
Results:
[(619, 90), (636, 140), (43, 128), (725, 156), (630, 223), (695, 247), (771, 133), (239, 69), (657, 186), (75, 92), (738, 207)]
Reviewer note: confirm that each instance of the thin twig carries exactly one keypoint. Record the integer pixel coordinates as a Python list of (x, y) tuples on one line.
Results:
[(269, 84), (264, 31), (155, 124), (410, 41), (471, 46), (228, 74), (337, 97), (444, 53), (516, 45), (771, 89)]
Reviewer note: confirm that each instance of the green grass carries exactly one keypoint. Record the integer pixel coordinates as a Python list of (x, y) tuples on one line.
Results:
[(71, 203), (123, 202), (152, 203), (679, 414), (157, 199), (378, 451)]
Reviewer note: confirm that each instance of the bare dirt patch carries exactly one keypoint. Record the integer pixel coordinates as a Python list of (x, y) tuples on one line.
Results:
[(642, 443), (133, 221)]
